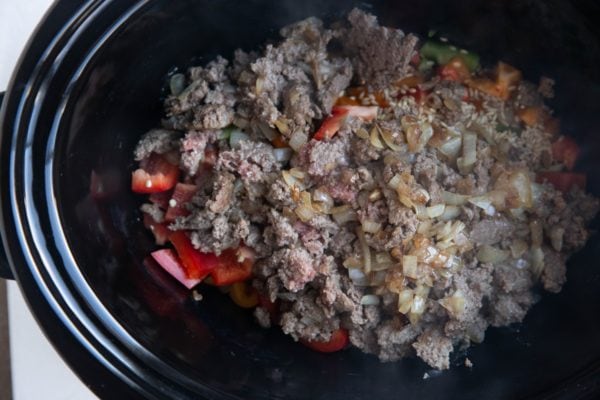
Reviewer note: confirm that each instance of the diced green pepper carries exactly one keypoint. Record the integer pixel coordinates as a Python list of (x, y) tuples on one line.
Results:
[(442, 53)]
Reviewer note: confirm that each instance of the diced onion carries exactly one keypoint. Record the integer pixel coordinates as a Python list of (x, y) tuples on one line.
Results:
[(537, 234), (370, 226), (292, 181), (378, 278), (405, 300), (420, 211), (518, 247), (298, 173), (381, 261), (369, 300), (537, 261), (409, 266), (282, 125), (236, 137), (364, 247), (362, 133), (358, 277), (490, 254), (304, 212), (451, 147), (177, 84), (469, 143), (267, 131), (436, 211), (374, 139), (483, 202), (352, 262), (297, 140), (387, 137), (322, 196), (450, 213), (283, 154), (454, 199), (343, 214), (454, 304)]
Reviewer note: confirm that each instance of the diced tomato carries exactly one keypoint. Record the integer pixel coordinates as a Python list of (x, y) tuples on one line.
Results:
[(563, 181), (566, 151), (455, 70), (331, 124), (161, 199), (339, 339), (197, 264), (233, 266), (169, 261), (155, 174), (159, 230), (182, 195), (244, 295)]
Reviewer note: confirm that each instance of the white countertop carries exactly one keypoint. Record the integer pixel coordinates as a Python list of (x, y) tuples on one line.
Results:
[(37, 370)]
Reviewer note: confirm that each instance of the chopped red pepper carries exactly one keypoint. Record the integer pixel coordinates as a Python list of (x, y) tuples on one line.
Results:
[(233, 266), (155, 174), (161, 199), (563, 181), (271, 307), (182, 194), (339, 339), (169, 261), (566, 151), (197, 264), (159, 230), (333, 123)]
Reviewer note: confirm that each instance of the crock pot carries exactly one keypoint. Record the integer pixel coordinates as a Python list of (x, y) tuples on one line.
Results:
[(90, 83)]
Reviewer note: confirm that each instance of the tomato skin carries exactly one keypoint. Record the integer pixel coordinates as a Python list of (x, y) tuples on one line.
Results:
[(169, 261), (197, 265), (339, 340), (156, 174), (182, 195), (563, 181), (566, 151)]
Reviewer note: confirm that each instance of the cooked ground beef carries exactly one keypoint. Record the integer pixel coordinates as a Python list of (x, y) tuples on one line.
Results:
[(411, 220)]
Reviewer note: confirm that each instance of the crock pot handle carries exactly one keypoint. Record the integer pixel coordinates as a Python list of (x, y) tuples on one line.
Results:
[(5, 271)]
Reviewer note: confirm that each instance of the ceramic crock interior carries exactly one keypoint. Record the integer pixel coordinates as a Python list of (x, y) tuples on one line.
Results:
[(118, 98)]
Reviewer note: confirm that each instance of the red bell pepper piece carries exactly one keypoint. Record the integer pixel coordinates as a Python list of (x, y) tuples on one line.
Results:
[(339, 339), (233, 266), (197, 264), (161, 199), (563, 181), (566, 151), (182, 194), (169, 261), (160, 230), (156, 174), (332, 124)]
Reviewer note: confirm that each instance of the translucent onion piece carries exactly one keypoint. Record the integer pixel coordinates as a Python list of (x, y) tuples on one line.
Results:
[(378, 278), (454, 199), (369, 300), (177, 84), (409, 266), (304, 212), (518, 247), (283, 154), (420, 211), (364, 247), (352, 262), (292, 181), (405, 300), (490, 254), (381, 261), (236, 137), (282, 125), (358, 277), (374, 139), (322, 196), (387, 137), (298, 173), (451, 147), (370, 226), (556, 237), (537, 261), (297, 140), (362, 133), (454, 304), (469, 143), (537, 233), (450, 213), (435, 211), (343, 214)]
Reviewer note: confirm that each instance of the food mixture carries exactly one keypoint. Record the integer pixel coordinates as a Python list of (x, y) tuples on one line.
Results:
[(355, 184)]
